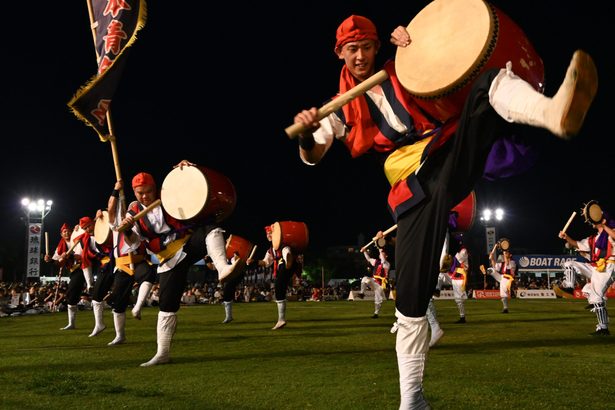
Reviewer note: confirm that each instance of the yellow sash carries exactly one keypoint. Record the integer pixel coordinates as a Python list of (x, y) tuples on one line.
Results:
[(123, 262), (404, 161), (172, 249), (383, 279)]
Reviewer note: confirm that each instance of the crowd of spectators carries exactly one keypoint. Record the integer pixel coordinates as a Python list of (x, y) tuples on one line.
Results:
[(17, 299)]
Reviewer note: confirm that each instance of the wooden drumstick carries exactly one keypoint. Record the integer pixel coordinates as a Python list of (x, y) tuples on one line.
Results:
[(333, 105), (46, 243), (141, 214), (574, 213), (252, 253), (385, 233)]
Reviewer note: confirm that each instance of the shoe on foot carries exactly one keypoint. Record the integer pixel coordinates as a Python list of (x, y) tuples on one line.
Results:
[(462, 319), (279, 325), (156, 360), (96, 331), (136, 313), (505, 311), (575, 94), (68, 327), (117, 341), (227, 320), (361, 295), (435, 337), (601, 332), (375, 316)]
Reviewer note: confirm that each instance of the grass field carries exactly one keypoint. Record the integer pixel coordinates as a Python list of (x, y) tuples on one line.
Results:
[(331, 355)]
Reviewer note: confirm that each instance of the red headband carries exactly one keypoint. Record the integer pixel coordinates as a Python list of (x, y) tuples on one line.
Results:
[(85, 222), (65, 226), (268, 229), (355, 28), (142, 178)]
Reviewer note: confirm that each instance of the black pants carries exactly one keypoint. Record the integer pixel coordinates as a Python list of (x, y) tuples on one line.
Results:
[(228, 289), (75, 287), (447, 177), (104, 281), (173, 282), (123, 283), (282, 280)]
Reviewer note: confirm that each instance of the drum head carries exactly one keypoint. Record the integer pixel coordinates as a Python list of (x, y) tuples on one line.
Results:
[(504, 244), (184, 192), (102, 230), (381, 242), (449, 42), (592, 212)]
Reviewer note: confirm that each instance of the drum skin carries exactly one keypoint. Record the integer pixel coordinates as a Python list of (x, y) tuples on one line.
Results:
[(290, 233), (198, 195), (453, 42), (239, 244), (592, 212), (504, 244), (466, 211), (102, 230)]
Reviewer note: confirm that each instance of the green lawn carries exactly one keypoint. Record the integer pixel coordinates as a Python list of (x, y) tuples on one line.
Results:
[(331, 355)]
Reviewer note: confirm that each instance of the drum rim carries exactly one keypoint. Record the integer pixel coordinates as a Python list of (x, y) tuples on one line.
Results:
[(587, 213)]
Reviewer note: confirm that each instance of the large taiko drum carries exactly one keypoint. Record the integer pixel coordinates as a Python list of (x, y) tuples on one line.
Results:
[(453, 42), (102, 230), (197, 194), (466, 212), (290, 233), (236, 243)]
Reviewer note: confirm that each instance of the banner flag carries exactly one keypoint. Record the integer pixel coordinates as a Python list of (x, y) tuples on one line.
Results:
[(115, 23)]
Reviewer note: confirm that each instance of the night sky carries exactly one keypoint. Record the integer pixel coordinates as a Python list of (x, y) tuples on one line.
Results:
[(219, 86)]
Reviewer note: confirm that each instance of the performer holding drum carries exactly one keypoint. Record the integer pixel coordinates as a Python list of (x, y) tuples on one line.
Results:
[(503, 271), (64, 258), (600, 266), (432, 164), (178, 244), (288, 240), (236, 248)]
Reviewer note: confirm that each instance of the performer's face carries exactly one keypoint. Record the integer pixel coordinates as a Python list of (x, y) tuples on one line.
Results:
[(65, 233), (360, 57), (145, 194)]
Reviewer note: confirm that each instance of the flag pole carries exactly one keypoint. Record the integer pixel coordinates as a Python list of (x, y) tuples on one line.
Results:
[(114, 153)]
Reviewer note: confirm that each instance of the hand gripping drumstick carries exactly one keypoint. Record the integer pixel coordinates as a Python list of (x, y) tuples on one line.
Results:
[(385, 233), (574, 213), (332, 106), (141, 214)]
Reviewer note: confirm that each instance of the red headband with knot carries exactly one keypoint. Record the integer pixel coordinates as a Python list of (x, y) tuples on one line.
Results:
[(65, 226), (355, 28), (142, 178), (268, 229), (85, 222)]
